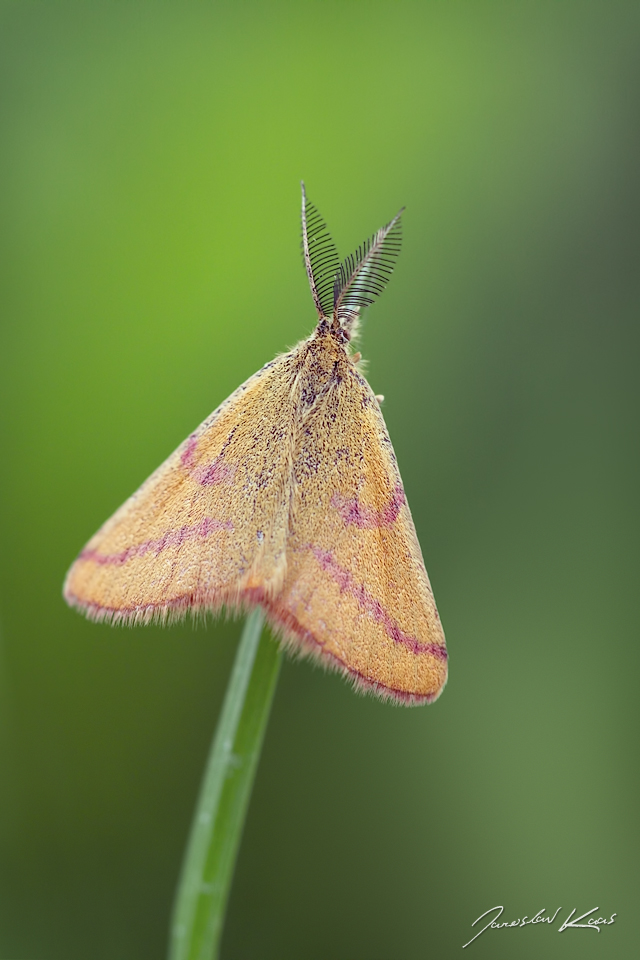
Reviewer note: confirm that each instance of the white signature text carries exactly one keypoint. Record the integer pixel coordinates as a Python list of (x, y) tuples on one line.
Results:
[(593, 923)]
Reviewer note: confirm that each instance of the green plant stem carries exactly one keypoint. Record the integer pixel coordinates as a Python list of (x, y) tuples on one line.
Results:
[(207, 870)]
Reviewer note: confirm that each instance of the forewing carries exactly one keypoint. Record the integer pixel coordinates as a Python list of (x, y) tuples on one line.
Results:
[(357, 593), (209, 526)]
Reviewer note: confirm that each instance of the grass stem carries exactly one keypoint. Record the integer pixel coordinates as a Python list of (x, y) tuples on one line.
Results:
[(216, 829)]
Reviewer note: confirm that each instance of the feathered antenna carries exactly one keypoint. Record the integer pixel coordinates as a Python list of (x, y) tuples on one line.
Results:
[(320, 257), (364, 275)]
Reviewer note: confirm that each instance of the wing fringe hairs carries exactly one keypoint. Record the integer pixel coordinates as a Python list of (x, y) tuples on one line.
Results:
[(295, 642), (298, 645)]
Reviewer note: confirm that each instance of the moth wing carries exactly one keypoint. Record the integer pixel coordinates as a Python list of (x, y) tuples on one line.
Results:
[(209, 526), (357, 595)]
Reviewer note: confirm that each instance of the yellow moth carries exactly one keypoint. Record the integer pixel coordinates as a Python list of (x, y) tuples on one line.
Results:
[(289, 497)]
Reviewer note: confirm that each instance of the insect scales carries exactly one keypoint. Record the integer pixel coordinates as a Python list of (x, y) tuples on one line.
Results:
[(289, 497)]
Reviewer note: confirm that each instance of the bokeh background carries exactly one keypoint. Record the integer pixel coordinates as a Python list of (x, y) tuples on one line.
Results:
[(150, 165)]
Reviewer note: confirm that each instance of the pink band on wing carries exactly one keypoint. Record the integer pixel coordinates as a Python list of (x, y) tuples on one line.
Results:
[(349, 585), (209, 473), (367, 518), (172, 538)]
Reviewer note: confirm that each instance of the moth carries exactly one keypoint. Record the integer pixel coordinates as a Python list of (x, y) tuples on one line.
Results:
[(289, 497)]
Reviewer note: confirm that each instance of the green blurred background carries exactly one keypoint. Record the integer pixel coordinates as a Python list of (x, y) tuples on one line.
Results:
[(151, 155)]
